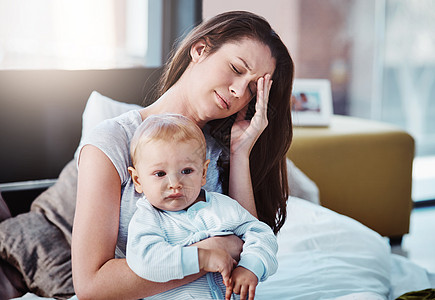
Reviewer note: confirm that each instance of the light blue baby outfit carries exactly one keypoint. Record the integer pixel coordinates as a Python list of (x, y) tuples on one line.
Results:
[(157, 240)]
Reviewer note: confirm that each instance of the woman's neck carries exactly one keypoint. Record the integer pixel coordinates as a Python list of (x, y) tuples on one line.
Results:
[(175, 101)]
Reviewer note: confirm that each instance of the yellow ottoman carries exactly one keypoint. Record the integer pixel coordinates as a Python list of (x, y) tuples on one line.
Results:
[(363, 169)]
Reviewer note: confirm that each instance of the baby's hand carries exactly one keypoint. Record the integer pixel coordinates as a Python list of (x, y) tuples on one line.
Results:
[(242, 282), (216, 260)]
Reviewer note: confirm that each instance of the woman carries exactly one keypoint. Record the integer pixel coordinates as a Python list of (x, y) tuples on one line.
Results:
[(220, 77)]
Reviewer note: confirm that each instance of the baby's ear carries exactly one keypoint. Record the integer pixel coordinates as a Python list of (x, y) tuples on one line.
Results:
[(136, 180), (204, 172)]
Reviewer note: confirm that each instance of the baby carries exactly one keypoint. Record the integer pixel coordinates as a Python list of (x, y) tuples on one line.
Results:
[(169, 169)]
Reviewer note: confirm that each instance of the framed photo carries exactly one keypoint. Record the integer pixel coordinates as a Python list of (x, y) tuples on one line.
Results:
[(311, 102)]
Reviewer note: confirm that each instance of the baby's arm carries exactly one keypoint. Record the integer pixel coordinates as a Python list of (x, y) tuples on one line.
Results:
[(258, 258), (150, 256), (260, 247)]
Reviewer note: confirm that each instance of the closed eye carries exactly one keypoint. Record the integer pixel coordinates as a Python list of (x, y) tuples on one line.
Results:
[(235, 69), (252, 89)]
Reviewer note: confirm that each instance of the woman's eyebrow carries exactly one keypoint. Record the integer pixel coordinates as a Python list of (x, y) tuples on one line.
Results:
[(245, 63)]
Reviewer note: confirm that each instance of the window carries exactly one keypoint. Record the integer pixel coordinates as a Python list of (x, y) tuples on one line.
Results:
[(408, 95), (380, 58), (409, 70), (80, 34)]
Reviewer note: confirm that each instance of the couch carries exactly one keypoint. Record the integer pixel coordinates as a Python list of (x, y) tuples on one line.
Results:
[(360, 168), (363, 169)]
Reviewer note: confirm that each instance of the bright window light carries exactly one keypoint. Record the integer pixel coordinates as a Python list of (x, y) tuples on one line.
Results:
[(79, 34)]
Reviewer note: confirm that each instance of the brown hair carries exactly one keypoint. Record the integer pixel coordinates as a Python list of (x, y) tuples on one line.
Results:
[(268, 156)]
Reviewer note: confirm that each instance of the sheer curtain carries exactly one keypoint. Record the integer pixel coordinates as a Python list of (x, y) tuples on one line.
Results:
[(408, 97), (409, 70)]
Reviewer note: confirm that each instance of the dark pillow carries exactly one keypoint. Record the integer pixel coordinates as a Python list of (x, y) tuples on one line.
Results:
[(58, 203), (38, 243)]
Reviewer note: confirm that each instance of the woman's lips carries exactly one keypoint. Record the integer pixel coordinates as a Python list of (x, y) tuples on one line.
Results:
[(224, 103)]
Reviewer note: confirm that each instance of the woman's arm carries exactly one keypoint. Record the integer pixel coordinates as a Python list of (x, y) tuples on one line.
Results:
[(240, 185), (244, 134), (96, 273)]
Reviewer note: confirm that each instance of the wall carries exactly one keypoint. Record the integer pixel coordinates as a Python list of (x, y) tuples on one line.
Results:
[(283, 16), (40, 114)]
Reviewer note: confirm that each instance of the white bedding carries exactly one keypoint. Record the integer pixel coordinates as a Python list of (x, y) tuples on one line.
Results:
[(325, 255)]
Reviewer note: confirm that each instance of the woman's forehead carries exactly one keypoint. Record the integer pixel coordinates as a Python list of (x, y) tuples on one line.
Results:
[(253, 54)]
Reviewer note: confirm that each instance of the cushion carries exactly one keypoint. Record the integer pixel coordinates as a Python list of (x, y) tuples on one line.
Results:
[(100, 108), (4, 210), (10, 281), (38, 243), (40, 252), (8, 288), (58, 202), (300, 185)]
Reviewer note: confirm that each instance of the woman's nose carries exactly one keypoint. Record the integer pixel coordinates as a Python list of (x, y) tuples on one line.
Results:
[(239, 87)]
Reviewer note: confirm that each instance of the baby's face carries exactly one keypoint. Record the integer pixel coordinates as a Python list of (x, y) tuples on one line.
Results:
[(171, 174)]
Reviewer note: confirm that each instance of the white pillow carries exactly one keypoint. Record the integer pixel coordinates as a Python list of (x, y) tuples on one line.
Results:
[(100, 108), (325, 255), (300, 185)]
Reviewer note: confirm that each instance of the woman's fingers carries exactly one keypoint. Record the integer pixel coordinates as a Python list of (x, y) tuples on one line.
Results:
[(263, 88), (245, 133)]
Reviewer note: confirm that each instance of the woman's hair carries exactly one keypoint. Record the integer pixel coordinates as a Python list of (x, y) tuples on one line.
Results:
[(173, 128), (267, 160)]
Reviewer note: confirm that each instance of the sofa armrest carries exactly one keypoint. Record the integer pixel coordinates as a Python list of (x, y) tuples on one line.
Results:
[(363, 169), (26, 185), (18, 196)]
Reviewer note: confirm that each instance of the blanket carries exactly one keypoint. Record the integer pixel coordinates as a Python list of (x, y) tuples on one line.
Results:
[(38, 243)]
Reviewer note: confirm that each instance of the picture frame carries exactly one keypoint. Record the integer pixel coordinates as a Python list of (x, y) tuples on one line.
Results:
[(311, 102)]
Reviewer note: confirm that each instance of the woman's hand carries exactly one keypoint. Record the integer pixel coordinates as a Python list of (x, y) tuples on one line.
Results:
[(245, 133), (216, 260), (230, 243)]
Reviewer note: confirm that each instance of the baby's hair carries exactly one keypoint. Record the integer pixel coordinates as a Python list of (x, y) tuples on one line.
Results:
[(167, 128)]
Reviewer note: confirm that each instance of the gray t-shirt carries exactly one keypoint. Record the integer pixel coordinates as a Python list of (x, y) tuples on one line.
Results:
[(113, 137)]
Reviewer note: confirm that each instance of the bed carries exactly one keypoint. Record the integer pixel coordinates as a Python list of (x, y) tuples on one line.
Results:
[(322, 254)]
